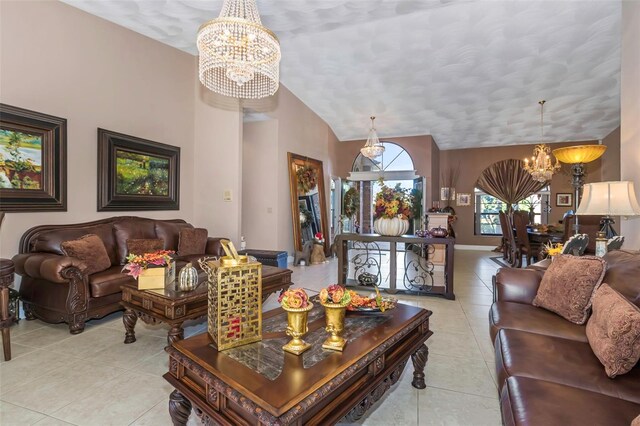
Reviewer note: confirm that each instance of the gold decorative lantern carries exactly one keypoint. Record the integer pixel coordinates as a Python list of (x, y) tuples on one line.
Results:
[(235, 299)]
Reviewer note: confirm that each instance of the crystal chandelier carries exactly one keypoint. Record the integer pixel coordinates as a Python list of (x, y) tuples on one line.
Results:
[(238, 56), (373, 148), (541, 167)]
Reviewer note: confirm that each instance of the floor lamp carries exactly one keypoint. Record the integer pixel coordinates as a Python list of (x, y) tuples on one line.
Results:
[(609, 199), (578, 156)]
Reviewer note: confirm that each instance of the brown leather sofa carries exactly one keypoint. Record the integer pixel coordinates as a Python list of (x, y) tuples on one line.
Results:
[(547, 372), (54, 287)]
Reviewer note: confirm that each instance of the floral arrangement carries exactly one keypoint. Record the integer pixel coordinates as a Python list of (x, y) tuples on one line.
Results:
[(138, 263), (294, 298), (359, 302), (552, 249), (335, 293), (306, 217), (351, 202), (307, 178), (393, 202)]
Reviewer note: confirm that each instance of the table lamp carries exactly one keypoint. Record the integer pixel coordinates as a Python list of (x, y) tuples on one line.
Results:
[(578, 156), (617, 198)]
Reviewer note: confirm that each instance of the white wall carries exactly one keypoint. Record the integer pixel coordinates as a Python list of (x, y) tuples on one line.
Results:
[(630, 112), (58, 60)]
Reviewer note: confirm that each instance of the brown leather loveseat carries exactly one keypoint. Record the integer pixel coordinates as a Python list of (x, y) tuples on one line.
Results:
[(547, 372), (54, 287)]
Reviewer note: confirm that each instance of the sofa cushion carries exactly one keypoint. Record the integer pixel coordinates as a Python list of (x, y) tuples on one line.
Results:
[(614, 331), (128, 229), (623, 270), (144, 245), (169, 232), (568, 285), (108, 282), (192, 241), (518, 316), (529, 402), (49, 241), (89, 249), (563, 361)]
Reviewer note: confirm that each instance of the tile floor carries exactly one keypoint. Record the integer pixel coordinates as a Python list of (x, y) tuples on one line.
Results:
[(92, 378)]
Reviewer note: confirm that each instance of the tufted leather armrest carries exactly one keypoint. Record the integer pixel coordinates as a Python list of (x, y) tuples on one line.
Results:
[(47, 266), (517, 285)]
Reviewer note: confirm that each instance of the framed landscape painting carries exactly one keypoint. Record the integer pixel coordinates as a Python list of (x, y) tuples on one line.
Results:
[(33, 161), (136, 174)]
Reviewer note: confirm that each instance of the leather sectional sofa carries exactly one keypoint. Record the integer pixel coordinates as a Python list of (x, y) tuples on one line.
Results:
[(547, 372), (54, 287)]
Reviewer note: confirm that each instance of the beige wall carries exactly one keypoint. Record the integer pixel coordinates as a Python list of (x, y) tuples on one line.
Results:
[(58, 60), (260, 192), (611, 161), (301, 131), (630, 112)]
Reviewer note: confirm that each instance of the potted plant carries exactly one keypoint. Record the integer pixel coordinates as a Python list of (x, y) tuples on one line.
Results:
[(152, 270), (393, 209), (296, 303)]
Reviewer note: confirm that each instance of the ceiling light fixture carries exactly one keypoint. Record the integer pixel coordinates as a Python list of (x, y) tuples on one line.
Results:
[(541, 167), (373, 148), (238, 56)]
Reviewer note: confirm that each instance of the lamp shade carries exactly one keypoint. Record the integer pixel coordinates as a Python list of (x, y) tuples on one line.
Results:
[(579, 153), (616, 198)]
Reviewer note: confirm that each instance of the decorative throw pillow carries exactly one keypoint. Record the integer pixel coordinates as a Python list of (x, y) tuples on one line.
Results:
[(636, 421), (613, 331), (568, 285), (91, 250), (192, 241), (142, 245)]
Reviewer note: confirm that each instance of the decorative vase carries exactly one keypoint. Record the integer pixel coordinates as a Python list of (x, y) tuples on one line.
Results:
[(391, 227), (296, 328), (334, 314), (187, 278)]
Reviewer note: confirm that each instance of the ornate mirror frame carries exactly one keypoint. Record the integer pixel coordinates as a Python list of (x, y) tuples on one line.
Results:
[(295, 161)]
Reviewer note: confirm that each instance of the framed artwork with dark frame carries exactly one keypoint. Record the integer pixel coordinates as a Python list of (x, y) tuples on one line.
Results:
[(137, 174), (33, 161), (564, 199)]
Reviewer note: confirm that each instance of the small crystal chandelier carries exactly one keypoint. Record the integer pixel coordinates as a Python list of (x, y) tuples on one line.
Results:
[(541, 167), (238, 56), (373, 148)]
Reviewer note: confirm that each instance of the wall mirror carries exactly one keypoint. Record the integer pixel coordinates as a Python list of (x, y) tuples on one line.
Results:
[(308, 203)]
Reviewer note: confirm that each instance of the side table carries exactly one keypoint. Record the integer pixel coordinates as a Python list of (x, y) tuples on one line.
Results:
[(6, 319)]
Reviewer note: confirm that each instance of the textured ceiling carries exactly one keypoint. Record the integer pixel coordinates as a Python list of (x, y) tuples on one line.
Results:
[(470, 73)]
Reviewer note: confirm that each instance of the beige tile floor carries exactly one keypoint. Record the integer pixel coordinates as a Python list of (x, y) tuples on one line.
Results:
[(94, 379)]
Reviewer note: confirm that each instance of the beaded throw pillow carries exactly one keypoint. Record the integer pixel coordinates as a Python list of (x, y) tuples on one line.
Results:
[(613, 331), (91, 250), (568, 285)]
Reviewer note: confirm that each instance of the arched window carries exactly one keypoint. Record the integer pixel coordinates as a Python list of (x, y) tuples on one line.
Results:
[(394, 164)]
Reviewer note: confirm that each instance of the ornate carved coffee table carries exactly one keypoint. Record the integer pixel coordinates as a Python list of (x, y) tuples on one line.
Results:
[(174, 307), (259, 383)]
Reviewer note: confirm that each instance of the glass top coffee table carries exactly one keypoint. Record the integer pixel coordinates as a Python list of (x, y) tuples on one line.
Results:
[(259, 383), (174, 307)]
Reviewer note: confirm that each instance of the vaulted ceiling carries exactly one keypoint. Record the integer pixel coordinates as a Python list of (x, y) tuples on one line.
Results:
[(470, 73)]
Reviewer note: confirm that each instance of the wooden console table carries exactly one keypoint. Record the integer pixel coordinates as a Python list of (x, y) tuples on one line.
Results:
[(419, 267), (260, 384)]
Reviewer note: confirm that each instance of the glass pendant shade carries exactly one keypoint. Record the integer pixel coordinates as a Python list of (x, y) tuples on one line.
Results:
[(238, 57), (541, 167), (373, 148), (580, 153)]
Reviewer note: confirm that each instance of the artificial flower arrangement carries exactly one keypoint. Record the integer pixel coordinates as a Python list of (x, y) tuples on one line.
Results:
[(307, 178), (372, 302), (393, 202), (136, 264), (552, 249), (335, 294), (294, 298)]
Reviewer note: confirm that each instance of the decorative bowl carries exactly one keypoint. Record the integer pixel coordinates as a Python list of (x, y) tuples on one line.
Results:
[(367, 279)]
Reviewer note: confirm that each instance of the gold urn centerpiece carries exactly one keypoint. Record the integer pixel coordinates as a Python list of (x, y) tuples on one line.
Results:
[(335, 300), (393, 209), (297, 305)]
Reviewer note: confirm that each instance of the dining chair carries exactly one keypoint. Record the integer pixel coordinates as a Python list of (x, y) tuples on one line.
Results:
[(506, 230), (587, 224), (525, 248)]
